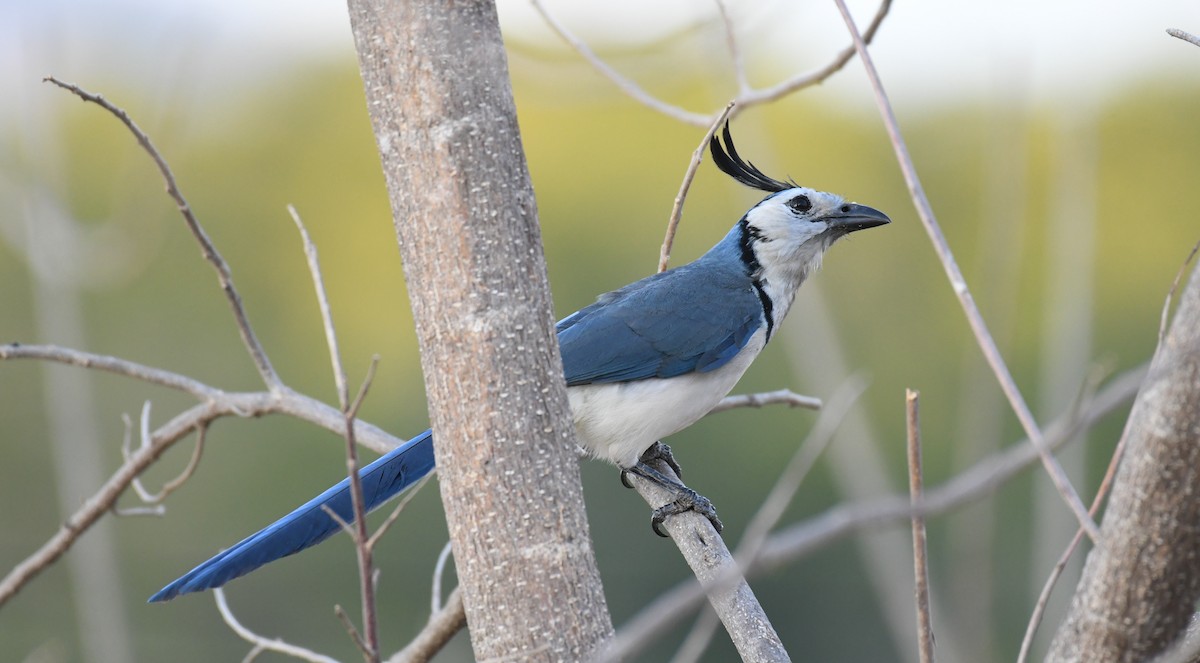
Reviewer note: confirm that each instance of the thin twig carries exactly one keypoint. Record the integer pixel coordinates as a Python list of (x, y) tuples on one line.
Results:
[(226, 403), (1166, 309), (664, 254), (916, 484), (1186, 36), (779, 397), (215, 405), (355, 637), (735, 51), (441, 628), (408, 496), (314, 269), (746, 98), (109, 364), (439, 570), (207, 249), (369, 642), (264, 644), (983, 336), (818, 76), (171, 486), (625, 84), (796, 541)]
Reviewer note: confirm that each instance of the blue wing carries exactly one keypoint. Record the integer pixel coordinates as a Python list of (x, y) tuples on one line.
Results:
[(682, 321), (310, 524)]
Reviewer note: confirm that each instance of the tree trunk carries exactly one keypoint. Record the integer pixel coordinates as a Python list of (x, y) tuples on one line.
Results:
[(440, 101), (1140, 588)]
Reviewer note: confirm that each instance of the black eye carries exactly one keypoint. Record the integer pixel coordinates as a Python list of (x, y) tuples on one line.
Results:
[(800, 203)]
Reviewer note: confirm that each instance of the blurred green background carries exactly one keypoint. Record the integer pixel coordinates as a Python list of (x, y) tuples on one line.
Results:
[(1070, 215)]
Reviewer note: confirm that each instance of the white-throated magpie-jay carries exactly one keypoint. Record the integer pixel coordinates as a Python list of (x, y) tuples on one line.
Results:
[(641, 363)]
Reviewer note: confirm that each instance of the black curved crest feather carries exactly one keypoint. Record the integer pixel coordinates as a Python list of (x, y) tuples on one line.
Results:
[(727, 159)]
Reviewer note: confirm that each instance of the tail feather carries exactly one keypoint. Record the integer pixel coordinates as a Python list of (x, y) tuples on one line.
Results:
[(310, 524)]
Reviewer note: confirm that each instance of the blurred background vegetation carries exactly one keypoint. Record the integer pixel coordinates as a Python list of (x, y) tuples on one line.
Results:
[(1070, 211)]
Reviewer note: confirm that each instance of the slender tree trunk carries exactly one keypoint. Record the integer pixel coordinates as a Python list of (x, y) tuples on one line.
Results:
[(440, 101), (1140, 588)]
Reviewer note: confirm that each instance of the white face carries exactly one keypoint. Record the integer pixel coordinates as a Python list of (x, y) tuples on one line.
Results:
[(789, 232)]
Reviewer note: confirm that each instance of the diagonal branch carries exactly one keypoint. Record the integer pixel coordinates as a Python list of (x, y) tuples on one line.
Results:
[(983, 336), (209, 251)]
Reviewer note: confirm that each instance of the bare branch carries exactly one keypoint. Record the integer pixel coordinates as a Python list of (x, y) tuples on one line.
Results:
[(916, 484), (441, 628), (712, 564), (625, 84), (369, 642), (664, 254), (747, 97), (982, 335), (355, 636), (264, 644), (779, 397), (408, 496), (314, 269), (735, 52), (1186, 36), (818, 76), (109, 364), (439, 569), (171, 486), (1166, 309), (798, 540), (215, 405), (207, 249)]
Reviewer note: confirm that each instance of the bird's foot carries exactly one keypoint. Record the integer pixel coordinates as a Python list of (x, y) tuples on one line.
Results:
[(657, 451), (686, 499)]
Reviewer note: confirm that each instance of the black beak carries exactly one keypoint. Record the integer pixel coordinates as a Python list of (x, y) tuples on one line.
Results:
[(852, 217)]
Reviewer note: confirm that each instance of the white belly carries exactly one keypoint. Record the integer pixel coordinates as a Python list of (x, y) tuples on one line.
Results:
[(618, 421)]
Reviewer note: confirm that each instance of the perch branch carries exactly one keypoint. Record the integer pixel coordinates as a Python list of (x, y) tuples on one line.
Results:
[(796, 541)]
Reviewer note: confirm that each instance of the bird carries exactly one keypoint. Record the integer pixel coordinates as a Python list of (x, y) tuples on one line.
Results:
[(641, 363)]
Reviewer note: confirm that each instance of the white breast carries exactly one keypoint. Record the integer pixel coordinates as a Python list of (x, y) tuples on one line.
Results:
[(618, 421)]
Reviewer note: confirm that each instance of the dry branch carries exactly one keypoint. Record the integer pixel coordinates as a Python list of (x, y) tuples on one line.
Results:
[(207, 249), (959, 284), (1139, 590), (916, 489)]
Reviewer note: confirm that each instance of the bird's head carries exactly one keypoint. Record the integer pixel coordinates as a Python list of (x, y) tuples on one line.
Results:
[(785, 235)]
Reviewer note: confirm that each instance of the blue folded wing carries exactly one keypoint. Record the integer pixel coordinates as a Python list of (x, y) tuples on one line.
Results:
[(310, 524), (656, 328)]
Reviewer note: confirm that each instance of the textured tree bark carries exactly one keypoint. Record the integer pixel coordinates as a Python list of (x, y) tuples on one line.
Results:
[(440, 101), (1140, 588)]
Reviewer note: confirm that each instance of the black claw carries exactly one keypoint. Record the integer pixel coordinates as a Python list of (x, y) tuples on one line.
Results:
[(689, 500), (660, 451), (625, 479), (686, 499)]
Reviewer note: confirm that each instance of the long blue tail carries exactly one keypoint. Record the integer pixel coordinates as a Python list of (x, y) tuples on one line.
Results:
[(310, 524)]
